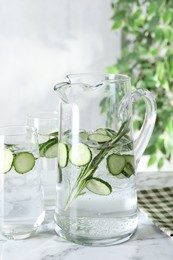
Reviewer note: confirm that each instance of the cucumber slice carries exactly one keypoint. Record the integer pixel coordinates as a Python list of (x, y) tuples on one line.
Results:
[(54, 134), (62, 154), (51, 150), (67, 133), (99, 138), (98, 186), (24, 162), (111, 132), (6, 160), (128, 170), (130, 159), (59, 174), (83, 135), (115, 163), (43, 147), (101, 131), (51, 134), (80, 154)]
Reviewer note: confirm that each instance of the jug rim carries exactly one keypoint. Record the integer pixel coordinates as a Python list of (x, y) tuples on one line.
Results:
[(104, 78), (112, 76)]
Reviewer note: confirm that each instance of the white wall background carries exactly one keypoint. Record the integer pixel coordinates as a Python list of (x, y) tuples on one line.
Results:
[(43, 40)]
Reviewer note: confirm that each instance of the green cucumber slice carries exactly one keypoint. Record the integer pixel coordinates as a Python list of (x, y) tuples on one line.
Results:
[(54, 134), (80, 154), (51, 150), (24, 162), (83, 135), (62, 154), (99, 138), (6, 160), (43, 147), (101, 131), (98, 186), (115, 163), (59, 174), (128, 170), (130, 159), (111, 132)]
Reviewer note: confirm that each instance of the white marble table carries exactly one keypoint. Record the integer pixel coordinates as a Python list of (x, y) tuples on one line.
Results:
[(148, 243)]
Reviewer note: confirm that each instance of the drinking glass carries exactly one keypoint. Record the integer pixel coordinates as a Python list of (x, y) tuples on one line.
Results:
[(21, 194), (46, 124), (98, 157)]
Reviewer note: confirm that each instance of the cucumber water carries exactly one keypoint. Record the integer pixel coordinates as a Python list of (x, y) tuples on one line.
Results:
[(47, 164), (92, 150), (98, 181)]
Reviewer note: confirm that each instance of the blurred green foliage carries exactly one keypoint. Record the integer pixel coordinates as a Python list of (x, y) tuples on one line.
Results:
[(147, 57)]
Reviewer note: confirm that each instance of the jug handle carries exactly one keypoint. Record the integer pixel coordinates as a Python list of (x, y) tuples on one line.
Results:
[(142, 140)]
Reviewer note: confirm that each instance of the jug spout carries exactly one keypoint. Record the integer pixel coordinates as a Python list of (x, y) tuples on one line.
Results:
[(61, 88)]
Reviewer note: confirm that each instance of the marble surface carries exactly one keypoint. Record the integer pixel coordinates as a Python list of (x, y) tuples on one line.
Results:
[(148, 243)]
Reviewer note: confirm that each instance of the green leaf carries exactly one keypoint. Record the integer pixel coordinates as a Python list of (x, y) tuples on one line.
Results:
[(118, 16), (117, 24), (154, 51), (168, 33), (155, 136), (150, 83), (153, 23), (150, 150), (151, 9), (169, 128), (131, 21), (137, 13), (160, 70), (160, 163), (143, 50), (168, 143), (112, 70), (133, 56), (136, 124), (159, 34), (161, 144), (139, 22), (168, 15), (123, 66), (152, 160)]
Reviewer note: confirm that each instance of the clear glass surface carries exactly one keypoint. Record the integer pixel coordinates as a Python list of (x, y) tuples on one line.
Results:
[(21, 194), (47, 124)]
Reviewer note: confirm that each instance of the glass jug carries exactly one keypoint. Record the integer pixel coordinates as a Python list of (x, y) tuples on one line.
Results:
[(97, 158)]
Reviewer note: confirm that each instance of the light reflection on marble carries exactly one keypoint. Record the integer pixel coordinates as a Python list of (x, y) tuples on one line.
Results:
[(148, 243)]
